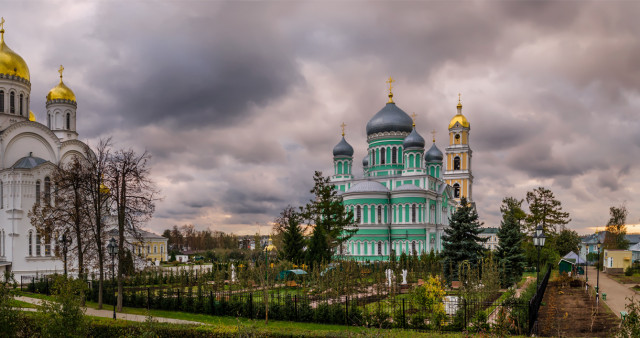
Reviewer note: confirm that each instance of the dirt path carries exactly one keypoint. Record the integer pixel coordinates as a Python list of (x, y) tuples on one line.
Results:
[(493, 316), (109, 314), (616, 293), (570, 312)]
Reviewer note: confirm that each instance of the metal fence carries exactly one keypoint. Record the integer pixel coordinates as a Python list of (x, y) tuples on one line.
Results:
[(536, 300)]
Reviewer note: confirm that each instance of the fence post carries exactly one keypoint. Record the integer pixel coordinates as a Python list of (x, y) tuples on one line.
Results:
[(404, 321), (179, 305), (148, 298), (346, 310), (211, 301), (251, 305), (295, 305)]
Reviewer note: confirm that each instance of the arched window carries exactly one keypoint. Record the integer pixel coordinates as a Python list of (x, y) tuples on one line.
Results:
[(339, 168), (382, 156), (38, 242), (358, 214), (456, 163), (374, 155), (380, 214), (21, 105), (47, 191), (413, 213), (68, 121), (49, 121), (12, 103), (413, 247), (30, 243), (456, 190), (1, 101), (38, 192), (394, 154)]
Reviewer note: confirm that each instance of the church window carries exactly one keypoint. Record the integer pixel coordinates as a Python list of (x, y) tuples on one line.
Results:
[(413, 247), (1, 101), (38, 242), (379, 214), (394, 153), (456, 190), (47, 245), (456, 163), (358, 214), (382, 157), (375, 153), (12, 103), (49, 121), (379, 247), (38, 192), (68, 121), (30, 243), (47, 191), (21, 105), (413, 213), (339, 168)]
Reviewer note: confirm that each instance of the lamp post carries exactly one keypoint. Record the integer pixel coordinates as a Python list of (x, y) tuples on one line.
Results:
[(112, 249), (268, 248), (538, 241), (598, 274), (63, 241)]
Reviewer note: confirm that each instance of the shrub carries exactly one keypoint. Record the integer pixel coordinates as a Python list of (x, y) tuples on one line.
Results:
[(64, 317), (628, 271)]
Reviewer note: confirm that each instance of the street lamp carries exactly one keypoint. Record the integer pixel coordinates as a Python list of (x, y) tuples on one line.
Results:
[(112, 249), (538, 241), (63, 241), (268, 248), (598, 274)]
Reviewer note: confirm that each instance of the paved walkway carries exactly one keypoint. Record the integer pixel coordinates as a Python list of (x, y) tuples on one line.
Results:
[(616, 293), (109, 314)]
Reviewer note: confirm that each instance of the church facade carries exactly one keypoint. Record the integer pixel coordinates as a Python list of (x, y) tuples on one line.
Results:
[(405, 196), (29, 151)]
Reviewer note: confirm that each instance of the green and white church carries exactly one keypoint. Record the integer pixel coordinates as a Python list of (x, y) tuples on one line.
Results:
[(405, 197)]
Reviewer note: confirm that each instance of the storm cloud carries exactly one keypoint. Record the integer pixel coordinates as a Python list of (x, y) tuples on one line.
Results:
[(239, 102)]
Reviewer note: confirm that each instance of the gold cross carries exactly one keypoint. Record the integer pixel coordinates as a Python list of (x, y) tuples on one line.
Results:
[(60, 71), (342, 126), (459, 99), (413, 117), (390, 81), (434, 135), (2, 23)]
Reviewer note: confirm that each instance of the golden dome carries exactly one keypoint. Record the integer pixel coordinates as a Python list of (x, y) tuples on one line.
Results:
[(32, 116), (10, 62), (61, 91), (459, 118)]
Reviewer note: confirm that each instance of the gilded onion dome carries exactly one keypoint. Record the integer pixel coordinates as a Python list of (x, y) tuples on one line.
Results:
[(343, 148), (10, 62), (61, 91), (413, 140), (32, 116), (459, 118), (433, 154)]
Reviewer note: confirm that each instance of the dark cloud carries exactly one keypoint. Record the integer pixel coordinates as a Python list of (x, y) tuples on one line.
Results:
[(239, 102)]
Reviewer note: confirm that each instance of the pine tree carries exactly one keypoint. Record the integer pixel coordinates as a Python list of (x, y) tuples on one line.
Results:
[(545, 210), (293, 240), (331, 221), (510, 254), (461, 241)]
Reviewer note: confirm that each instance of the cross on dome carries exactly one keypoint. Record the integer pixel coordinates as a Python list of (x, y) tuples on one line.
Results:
[(413, 117), (390, 81), (433, 132), (342, 126), (60, 71)]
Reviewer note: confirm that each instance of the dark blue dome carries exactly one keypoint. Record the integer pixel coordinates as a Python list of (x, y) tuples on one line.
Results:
[(414, 140), (389, 118), (433, 155), (365, 161), (343, 149)]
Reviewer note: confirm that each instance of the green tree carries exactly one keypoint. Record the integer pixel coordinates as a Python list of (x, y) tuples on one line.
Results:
[(9, 314), (331, 221), (292, 237), (615, 237), (64, 315), (461, 241), (510, 254), (567, 241), (545, 210)]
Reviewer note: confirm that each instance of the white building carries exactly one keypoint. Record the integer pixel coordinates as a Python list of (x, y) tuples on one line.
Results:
[(29, 150)]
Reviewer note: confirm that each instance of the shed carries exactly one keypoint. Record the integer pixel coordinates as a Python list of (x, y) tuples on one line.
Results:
[(291, 274), (571, 262)]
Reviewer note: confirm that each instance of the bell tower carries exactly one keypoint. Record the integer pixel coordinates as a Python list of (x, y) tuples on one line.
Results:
[(458, 173)]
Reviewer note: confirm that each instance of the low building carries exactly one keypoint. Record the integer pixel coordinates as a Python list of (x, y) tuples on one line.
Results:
[(147, 246), (616, 261), (589, 243), (492, 238)]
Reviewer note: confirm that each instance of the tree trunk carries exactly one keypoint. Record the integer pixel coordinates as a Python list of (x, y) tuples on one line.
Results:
[(101, 282)]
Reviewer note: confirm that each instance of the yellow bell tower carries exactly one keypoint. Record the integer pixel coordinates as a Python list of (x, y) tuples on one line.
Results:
[(458, 159)]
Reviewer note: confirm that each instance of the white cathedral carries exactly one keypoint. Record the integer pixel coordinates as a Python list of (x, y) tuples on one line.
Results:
[(29, 150)]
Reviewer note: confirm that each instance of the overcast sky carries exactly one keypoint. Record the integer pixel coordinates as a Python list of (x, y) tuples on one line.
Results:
[(239, 102)]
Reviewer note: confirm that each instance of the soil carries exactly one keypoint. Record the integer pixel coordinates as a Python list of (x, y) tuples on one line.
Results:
[(568, 311)]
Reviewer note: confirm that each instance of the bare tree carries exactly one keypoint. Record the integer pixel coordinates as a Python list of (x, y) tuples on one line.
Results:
[(97, 207), (65, 218), (133, 195)]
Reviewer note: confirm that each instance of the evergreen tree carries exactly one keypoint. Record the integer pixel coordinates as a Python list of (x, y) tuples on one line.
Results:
[(293, 240), (461, 241), (567, 241), (510, 254), (545, 210), (615, 237), (331, 221)]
